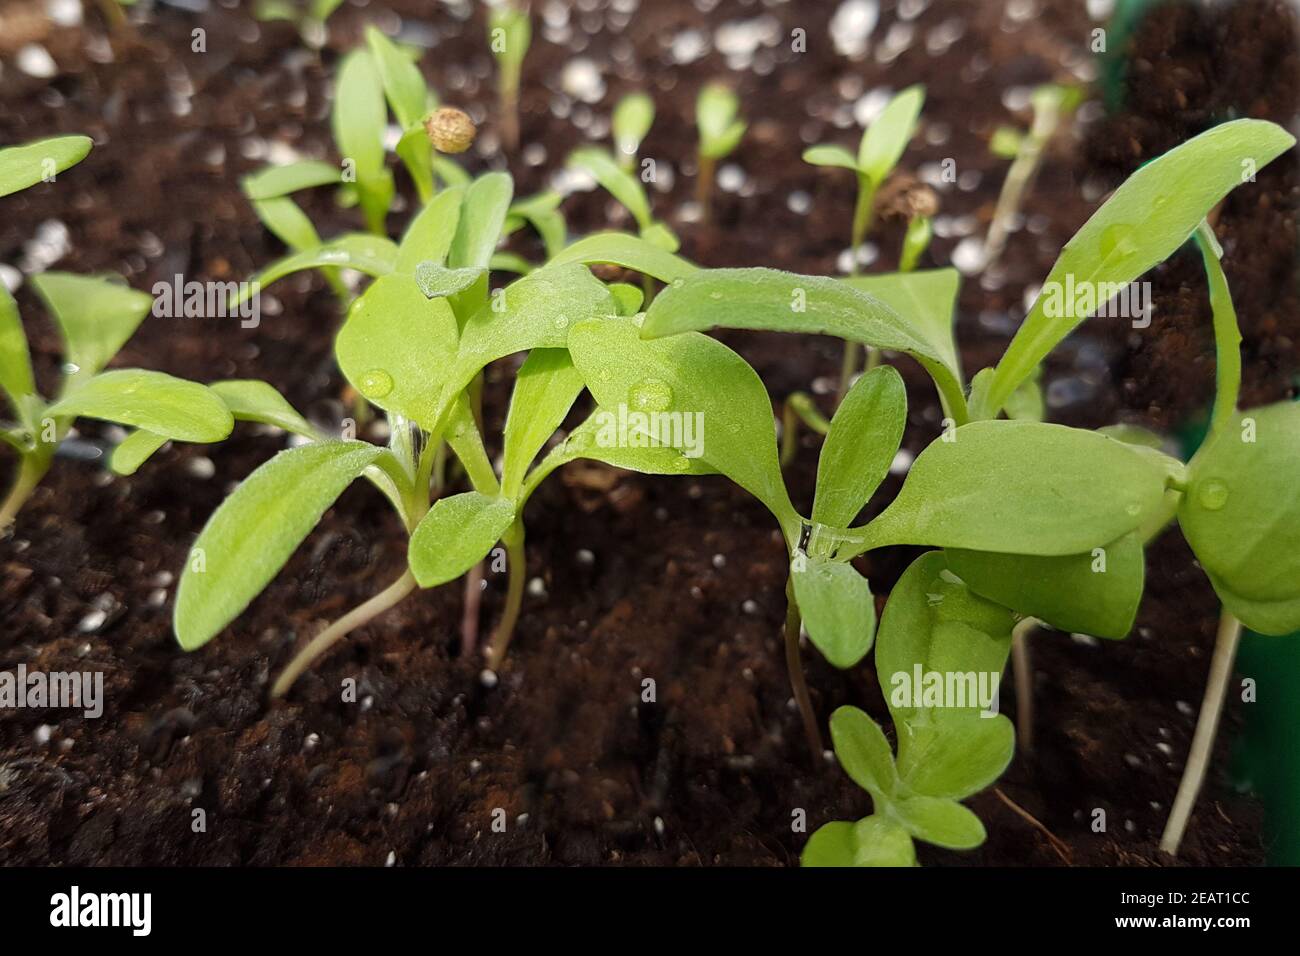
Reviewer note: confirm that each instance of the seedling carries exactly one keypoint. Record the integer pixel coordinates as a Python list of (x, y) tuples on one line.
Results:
[(717, 114), (509, 34), (1019, 548), (1052, 104), (628, 190), (933, 625), (414, 343), (879, 150), (95, 317), (308, 17), (632, 119)]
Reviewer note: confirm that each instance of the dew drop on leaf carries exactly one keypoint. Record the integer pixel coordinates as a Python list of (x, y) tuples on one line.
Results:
[(375, 384), (1213, 494), (650, 395)]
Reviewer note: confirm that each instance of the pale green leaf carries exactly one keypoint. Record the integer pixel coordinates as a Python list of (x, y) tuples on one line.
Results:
[(359, 121), (864, 753), (885, 139), (482, 217), (837, 608), (276, 181), (615, 180), (546, 387), (373, 255), (940, 821), (250, 400), (860, 445), (39, 161), (285, 218), (15, 358), (252, 534), (430, 234), (953, 753), (95, 316), (630, 252), (632, 119), (403, 85), (153, 401), (830, 155), (456, 534), (134, 450)]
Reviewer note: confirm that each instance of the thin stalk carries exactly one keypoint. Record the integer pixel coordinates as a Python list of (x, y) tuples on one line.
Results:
[(1023, 675), (1207, 726), (704, 187), (509, 107), (1227, 334), (516, 572), (327, 638), (472, 604), (794, 665), (31, 469), (863, 207), (1023, 169)]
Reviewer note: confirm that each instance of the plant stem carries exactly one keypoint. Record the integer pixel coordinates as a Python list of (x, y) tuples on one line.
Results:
[(327, 638), (1019, 176), (516, 571), (1023, 675), (863, 207), (1207, 726), (509, 105), (704, 187), (31, 469), (794, 665)]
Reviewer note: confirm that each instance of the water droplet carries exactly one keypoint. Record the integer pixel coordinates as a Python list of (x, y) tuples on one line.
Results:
[(562, 322), (1213, 494), (681, 464), (375, 384), (678, 283), (651, 395), (1116, 240)]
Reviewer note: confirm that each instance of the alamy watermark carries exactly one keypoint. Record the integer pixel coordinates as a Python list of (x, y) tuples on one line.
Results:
[(179, 299), (628, 428), (1105, 300), (945, 689), (74, 690)]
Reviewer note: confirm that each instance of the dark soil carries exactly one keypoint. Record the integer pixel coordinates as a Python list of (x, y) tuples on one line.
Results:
[(676, 580)]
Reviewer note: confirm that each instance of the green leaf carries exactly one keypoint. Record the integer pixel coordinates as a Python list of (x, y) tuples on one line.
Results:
[(630, 252), (250, 400), (943, 822), (416, 154), (1005, 142), (430, 235), (716, 113), (1274, 618), (1143, 222), (31, 163), (864, 753), (95, 316), (403, 85), (285, 218), (1023, 488), (872, 841), (838, 610), (276, 181), (516, 35), (705, 386), (359, 121), (596, 440), (536, 311), (860, 446), (546, 387), (439, 282), (250, 536), (615, 180), (134, 450), (15, 358), (153, 401), (953, 754), (885, 139), (456, 534), (927, 302), (1095, 593), (487, 199), (396, 346), (632, 119), (627, 298), (933, 623), (542, 211), (830, 155), (373, 255), (1241, 512)]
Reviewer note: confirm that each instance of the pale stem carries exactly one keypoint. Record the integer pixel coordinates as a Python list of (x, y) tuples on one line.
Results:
[(1023, 676), (472, 605), (31, 469), (704, 187), (1019, 176), (516, 571), (794, 665), (863, 207), (509, 103), (327, 638), (1207, 726)]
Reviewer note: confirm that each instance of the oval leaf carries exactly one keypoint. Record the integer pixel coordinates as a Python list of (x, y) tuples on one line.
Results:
[(153, 401), (838, 610), (456, 534), (860, 446)]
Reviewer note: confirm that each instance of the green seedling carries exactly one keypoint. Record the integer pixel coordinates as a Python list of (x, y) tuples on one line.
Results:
[(307, 17), (632, 119), (1052, 104), (717, 115), (415, 342), (627, 190), (510, 33), (1019, 547), (879, 150), (933, 626), (95, 317)]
